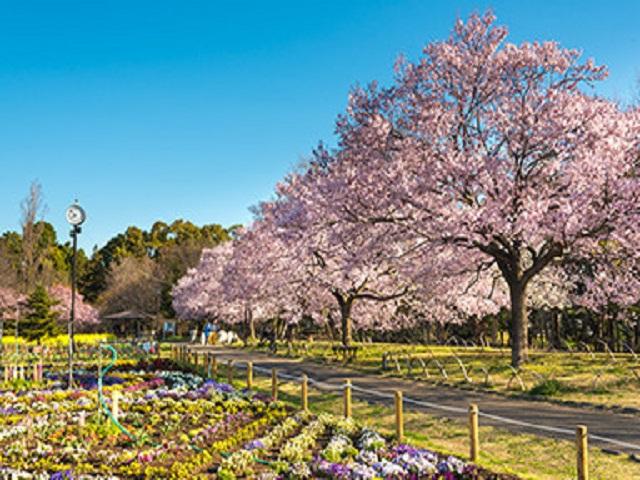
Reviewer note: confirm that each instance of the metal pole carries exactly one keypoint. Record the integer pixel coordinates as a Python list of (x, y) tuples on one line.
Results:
[(72, 314)]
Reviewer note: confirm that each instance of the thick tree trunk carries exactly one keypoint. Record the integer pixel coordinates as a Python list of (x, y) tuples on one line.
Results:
[(519, 324), (493, 322), (331, 328), (250, 326), (345, 302), (274, 336), (347, 328)]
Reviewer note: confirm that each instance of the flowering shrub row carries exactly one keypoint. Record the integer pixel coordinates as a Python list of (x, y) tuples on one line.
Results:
[(181, 426)]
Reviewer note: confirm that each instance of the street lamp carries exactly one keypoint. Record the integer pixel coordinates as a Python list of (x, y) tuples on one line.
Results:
[(76, 217)]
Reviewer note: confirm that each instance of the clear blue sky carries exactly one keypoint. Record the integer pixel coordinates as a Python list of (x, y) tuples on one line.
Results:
[(149, 110)]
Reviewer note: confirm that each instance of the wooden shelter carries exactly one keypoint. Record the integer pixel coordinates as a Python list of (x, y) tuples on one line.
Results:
[(130, 323)]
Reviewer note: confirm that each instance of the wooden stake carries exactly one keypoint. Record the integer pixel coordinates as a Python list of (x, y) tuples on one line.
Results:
[(347, 398), (35, 372), (399, 417), (230, 372), (305, 393), (214, 367), (6, 374), (583, 452), (115, 403), (249, 375), (274, 384), (474, 449)]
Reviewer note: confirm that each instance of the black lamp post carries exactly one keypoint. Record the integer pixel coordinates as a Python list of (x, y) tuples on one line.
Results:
[(76, 217)]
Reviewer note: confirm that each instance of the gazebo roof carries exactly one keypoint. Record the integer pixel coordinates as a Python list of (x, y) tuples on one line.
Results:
[(128, 315)]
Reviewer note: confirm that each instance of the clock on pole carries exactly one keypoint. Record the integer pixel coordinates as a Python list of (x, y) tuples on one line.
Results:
[(75, 216)]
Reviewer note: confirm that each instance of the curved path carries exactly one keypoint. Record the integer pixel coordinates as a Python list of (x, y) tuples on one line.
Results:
[(534, 417)]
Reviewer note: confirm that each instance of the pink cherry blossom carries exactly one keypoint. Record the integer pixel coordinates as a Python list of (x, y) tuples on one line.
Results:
[(84, 312)]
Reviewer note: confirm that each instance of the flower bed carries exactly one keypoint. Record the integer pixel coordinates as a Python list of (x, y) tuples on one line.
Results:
[(182, 426)]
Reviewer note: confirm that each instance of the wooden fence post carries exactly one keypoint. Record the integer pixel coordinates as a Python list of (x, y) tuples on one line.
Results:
[(274, 384), (115, 403), (399, 417), (583, 452), (214, 367), (305, 393), (474, 447), (347, 398), (249, 375), (230, 372)]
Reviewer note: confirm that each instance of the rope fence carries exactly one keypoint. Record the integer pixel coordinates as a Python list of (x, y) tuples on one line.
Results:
[(580, 434)]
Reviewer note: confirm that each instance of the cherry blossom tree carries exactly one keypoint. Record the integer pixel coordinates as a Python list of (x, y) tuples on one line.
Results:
[(85, 314), (9, 301), (199, 294), (464, 186), (355, 262), (497, 153)]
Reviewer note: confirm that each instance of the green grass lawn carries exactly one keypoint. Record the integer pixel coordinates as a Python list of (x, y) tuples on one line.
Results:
[(581, 377), (528, 456)]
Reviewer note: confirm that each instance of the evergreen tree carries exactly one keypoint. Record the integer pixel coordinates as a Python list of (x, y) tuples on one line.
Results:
[(41, 321)]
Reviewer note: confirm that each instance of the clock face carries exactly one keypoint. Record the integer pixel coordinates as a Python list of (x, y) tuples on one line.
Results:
[(75, 215)]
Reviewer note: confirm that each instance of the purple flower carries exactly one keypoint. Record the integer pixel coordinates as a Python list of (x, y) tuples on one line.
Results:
[(67, 474), (254, 445)]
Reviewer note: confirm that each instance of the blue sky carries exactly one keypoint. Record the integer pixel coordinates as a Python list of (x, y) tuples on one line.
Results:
[(149, 110)]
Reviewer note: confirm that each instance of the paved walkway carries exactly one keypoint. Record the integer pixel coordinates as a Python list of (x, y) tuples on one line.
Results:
[(535, 417)]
